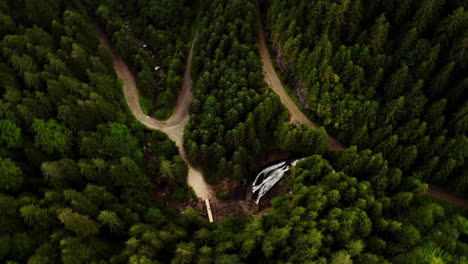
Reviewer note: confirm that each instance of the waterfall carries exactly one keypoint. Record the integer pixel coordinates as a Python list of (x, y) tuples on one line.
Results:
[(269, 176)]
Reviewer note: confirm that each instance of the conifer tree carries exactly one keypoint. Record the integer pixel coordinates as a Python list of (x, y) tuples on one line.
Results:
[(460, 119), (355, 17), (427, 14), (440, 80), (379, 34), (11, 177), (397, 82)]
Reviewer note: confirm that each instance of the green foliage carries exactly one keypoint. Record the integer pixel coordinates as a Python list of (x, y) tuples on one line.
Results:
[(365, 66), (81, 225), (460, 119), (111, 220), (62, 115), (51, 137), (233, 117), (184, 253), (145, 104), (391, 84), (155, 217), (173, 172), (61, 173), (119, 142), (11, 177), (10, 134), (155, 46)]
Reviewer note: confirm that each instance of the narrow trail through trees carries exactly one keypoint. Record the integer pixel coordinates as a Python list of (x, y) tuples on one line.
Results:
[(272, 79), (443, 195), (174, 126), (274, 82)]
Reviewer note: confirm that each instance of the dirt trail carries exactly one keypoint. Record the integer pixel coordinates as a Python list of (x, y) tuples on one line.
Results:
[(174, 126), (274, 82), (443, 195)]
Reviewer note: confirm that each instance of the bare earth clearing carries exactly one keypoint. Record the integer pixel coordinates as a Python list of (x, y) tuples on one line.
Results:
[(271, 78), (174, 126)]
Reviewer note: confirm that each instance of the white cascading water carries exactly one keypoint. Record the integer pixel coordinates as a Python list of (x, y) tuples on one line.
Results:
[(270, 176)]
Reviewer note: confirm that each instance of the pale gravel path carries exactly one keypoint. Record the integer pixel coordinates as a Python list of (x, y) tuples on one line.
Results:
[(174, 126)]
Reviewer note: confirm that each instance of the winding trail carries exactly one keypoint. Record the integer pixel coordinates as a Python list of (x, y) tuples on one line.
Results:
[(174, 126), (271, 78)]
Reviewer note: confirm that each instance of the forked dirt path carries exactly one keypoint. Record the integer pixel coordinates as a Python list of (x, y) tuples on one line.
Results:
[(274, 82), (174, 126)]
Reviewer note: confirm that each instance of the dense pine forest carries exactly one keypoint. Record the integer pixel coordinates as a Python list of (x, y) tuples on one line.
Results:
[(385, 75), (234, 116), (82, 181)]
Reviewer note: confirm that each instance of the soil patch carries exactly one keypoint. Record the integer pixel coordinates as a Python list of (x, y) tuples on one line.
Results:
[(271, 157)]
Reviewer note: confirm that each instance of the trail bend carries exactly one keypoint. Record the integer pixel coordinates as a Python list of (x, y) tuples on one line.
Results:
[(174, 126), (272, 79)]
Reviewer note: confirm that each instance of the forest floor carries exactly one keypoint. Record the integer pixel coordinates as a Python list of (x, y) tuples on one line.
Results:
[(174, 126), (272, 79)]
